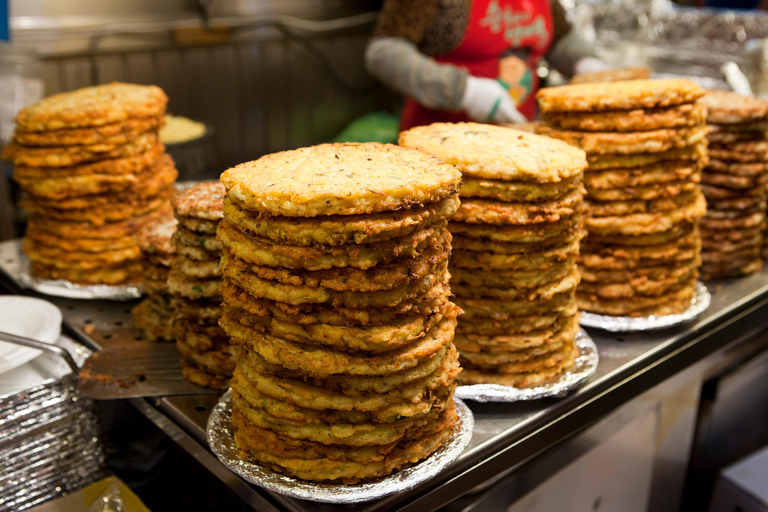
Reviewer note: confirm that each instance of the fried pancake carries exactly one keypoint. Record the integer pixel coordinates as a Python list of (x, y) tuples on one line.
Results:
[(384, 276), (653, 141), (530, 233), (192, 288), (624, 208), (487, 211), (716, 213), (93, 106), (667, 191), (636, 120), (202, 201), (264, 252), (738, 169), (517, 191), (731, 235), (712, 271), (155, 236), (506, 309), (68, 156), (297, 295), (751, 221), (677, 231), (462, 243), (511, 278), (637, 277), (636, 288), (84, 245), (738, 156), (617, 256), (215, 362), (693, 154), (207, 227), (371, 339), (759, 147), (675, 301), (82, 230), (496, 153), (128, 273), (612, 75), (520, 261), (115, 133), (625, 95), (720, 246), (645, 223), (323, 362), (197, 269), (339, 229), (340, 179), (507, 362), (59, 257), (656, 175), (101, 215), (723, 137), (209, 243), (546, 339), (541, 293), (728, 108), (519, 380), (153, 317), (201, 378)]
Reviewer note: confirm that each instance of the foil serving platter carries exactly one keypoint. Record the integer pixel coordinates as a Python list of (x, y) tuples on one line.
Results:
[(584, 367), (63, 288), (699, 304), (222, 443)]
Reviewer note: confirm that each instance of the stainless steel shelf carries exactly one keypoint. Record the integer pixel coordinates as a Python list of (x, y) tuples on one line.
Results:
[(506, 435)]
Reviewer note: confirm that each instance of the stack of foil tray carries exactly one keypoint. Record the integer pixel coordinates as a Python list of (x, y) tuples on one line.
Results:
[(50, 443)]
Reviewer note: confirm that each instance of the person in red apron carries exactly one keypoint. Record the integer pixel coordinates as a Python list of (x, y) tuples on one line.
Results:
[(459, 60)]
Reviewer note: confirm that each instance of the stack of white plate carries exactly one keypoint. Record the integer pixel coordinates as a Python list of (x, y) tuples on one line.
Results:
[(49, 435)]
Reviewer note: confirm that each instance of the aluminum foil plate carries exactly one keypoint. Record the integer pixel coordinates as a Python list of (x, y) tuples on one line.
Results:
[(62, 288), (583, 369), (222, 442), (699, 304)]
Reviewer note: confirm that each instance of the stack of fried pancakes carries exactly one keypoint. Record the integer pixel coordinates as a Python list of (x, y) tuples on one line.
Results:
[(646, 145), (515, 243), (734, 183), (93, 169), (336, 294), (153, 314), (194, 282)]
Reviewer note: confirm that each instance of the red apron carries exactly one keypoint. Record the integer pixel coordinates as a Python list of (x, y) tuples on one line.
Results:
[(504, 39)]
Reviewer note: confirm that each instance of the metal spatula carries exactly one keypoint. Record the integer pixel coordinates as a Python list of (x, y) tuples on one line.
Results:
[(136, 370)]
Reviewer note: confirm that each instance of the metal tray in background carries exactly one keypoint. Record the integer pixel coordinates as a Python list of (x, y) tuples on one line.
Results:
[(506, 435)]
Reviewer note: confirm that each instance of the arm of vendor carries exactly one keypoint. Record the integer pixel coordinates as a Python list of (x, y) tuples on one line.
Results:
[(459, 60)]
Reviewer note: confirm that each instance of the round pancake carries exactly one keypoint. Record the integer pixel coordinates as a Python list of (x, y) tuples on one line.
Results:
[(740, 269), (273, 290), (404, 313), (340, 229), (530, 233), (155, 236), (677, 231), (519, 261), (340, 179), (489, 326), (717, 213), (487, 211), (625, 95), (68, 156), (206, 227), (59, 257), (617, 256), (547, 338), (85, 230), (506, 309), (216, 362), (648, 288), (624, 208), (721, 246), (731, 235), (371, 339), (204, 200), (754, 220), (517, 191), (323, 362), (521, 359), (115, 133), (717, 193), (738, 156), (93, 106), (197, 269), (511, 278), (739, 169), (636, 120), (724, 257), (209, 243), (722, 136), (100, 215), (264, 252), (640, 277), (667, 190), (496, 361), (672, 302), (759, 147), (152, 317), (462, 243), (645, 223), (497, 153), (84, 245), (201, 378), (519, 380), (128, 273), (192, 288), (654, 141), (612, 75), (696, 153), (384, 276), (542, 293), (648, 176), (728, 108)]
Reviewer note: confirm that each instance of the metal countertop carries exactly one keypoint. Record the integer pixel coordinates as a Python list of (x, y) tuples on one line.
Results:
[(505, 436)]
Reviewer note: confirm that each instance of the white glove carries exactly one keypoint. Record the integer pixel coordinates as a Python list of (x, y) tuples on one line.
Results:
[(590, 65), (486, 100)]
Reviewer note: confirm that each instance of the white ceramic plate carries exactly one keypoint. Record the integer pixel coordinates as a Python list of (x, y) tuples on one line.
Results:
[(28, 317)]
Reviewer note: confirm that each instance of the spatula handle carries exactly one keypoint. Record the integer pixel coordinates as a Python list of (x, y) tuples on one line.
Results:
[(45, 347)]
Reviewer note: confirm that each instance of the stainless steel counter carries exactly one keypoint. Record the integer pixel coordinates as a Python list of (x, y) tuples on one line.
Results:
[(506, 435)]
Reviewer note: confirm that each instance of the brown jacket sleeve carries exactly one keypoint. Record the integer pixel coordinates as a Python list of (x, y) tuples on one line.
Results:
[(407, 19)]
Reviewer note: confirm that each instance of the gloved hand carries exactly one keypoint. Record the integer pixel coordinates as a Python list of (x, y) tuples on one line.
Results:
[(486, 100), (590, 65)]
